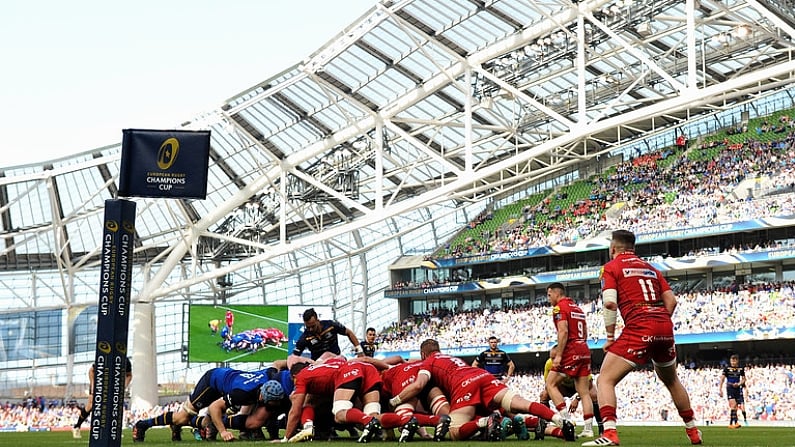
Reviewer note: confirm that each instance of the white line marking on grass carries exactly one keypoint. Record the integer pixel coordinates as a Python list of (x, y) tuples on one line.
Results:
[(252, 314)]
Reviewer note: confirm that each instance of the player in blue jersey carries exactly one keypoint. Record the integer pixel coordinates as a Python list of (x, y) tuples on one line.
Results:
[(217, 390), (495, 360), (734, 378), (369, 345), (266, 413)]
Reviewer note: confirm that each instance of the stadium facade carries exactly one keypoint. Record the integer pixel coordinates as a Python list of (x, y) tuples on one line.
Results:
[(382, 144)]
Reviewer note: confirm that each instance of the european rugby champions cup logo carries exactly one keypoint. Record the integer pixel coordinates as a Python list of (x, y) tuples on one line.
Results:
[(164, 163), (167, 154), (163, 178), (112, 225), (104, 347)]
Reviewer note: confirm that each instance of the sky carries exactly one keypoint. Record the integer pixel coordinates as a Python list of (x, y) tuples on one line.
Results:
[(73, 74)]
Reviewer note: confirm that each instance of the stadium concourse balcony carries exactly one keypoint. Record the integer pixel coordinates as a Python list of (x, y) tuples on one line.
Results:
[(661, 191), (746, 309)]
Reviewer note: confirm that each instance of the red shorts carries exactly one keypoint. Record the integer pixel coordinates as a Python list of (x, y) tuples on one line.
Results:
[(351, 371), (576, 361), (653, 341), (476, 390)]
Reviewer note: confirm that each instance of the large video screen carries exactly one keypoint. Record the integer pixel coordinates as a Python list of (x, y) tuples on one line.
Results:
[(246, 333), (238, 333)]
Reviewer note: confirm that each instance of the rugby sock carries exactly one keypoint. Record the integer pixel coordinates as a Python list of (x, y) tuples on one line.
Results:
[(356, 416), (598, 416), (166, 418), (609, 416), (307, 414), (732, 417), (688, 416), (426, 420), (392, 420), (197, 421), (468, 429), (541, 411), (238, 421), (745, 415), (83, 416), (588, 422), (561, 407)]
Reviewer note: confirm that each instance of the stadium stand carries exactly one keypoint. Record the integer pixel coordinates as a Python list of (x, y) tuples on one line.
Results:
[(690, 189), (743, 169), (739, 307)]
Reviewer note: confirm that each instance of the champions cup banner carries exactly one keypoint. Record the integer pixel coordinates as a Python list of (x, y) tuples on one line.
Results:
[(164, 163), (110, 365)]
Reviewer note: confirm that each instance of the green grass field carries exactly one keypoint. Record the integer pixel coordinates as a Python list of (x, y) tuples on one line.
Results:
[(204, 346), (630, 436)]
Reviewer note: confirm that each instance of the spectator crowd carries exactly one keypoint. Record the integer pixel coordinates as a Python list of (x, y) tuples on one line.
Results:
[(769, 398), (737, 307), (643, 195)]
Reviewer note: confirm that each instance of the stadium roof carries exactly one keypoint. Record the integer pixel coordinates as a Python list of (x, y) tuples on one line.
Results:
[(417, 110)]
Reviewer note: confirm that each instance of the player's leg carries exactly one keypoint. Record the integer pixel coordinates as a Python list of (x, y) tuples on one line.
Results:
[(741, 407), (440, 407), (614, 369), (596, 414), (582, 384), (343, 410), (733, 419), (512, 402), (668, 376), (552, 385), (462, 425)]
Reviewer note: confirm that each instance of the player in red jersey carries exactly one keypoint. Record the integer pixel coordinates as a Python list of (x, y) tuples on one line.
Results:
[(635, 288), (573, 357), (344, 381), (230, 321), (396, 379), (468, 388)]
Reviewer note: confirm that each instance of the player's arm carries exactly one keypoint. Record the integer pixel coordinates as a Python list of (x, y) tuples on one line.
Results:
[(574, 403), (394, 360), (292, 359), (412, 390), (297, 401), (91, 380), (476, 362), (669, 300), (295, 356), (610, 314), (543, 397), (216, 411), (511, 368), (355, 342), (563, 337), (280, 364), (720, 386), (742, 380), (379, 364)]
